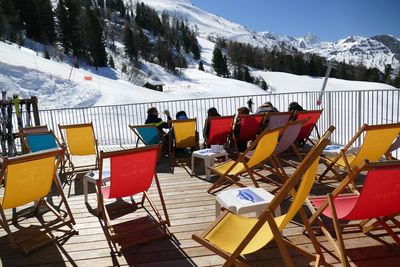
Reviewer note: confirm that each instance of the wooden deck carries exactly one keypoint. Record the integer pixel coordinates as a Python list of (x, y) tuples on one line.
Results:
[(191, 209)]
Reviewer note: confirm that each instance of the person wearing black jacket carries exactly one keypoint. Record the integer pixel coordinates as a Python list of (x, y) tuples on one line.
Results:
[(152, 118)]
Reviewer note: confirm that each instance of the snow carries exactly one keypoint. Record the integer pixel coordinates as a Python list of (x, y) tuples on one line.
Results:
[(59, 85)]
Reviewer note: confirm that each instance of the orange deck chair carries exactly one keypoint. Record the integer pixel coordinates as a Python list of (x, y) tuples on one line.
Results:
[(183, 136), (80, 140), (220, 130), (132, 172), (377, 203), (250, 127), (263, 148), (28, 179), (305, 132), (233, 236), (377, 140)]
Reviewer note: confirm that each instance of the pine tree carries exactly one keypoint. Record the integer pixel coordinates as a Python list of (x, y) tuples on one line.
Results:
[(95, 40), (219, 62), (111, 62), (129, 42), (63, 28), (201, 67)]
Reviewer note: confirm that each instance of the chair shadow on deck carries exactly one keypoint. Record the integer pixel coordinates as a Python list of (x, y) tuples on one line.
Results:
[(168, 251), (374, 256), (16, 257)]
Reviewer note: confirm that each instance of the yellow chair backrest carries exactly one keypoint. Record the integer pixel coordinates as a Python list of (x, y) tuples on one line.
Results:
[(375, 144), (265, 146), (302, 193), (28, 181), (185, 133), (81, 140)]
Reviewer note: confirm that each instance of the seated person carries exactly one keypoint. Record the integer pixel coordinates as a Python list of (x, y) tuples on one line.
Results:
[(211, 112), (236, 130), (153, 119), (294, 106), (266, 107)]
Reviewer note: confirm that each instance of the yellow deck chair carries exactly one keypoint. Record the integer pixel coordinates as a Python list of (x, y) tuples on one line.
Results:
[(377, 141), (28, 179), (263, 148), (80, 141), (232, 236), (183, 136)]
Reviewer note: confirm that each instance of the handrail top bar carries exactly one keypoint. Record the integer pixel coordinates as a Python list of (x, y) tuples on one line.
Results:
[(221, 97)]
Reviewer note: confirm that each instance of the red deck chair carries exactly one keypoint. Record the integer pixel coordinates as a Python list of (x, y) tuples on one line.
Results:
[(250, 126), (132, 172), (306, 129), (220, 130), (377, 203)]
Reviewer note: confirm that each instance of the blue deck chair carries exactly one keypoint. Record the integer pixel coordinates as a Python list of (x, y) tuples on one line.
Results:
[(41, 141), (147, 134)]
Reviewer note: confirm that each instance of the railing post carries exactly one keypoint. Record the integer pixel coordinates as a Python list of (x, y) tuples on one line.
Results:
[(359, 115), (119, 128)]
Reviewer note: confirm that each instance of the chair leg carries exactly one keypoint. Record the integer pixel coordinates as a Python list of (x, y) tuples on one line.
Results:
[(339, 237), (279, 240)]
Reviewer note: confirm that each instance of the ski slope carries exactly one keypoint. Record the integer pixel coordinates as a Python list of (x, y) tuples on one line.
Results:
[(58, 85)]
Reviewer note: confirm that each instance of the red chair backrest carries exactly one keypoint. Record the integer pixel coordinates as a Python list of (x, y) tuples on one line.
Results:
[(220, 128), (250, 126), (312, 116), (380, 195), (132, 172)]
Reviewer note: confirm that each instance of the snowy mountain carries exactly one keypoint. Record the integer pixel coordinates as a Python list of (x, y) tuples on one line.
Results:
[(376, 51)]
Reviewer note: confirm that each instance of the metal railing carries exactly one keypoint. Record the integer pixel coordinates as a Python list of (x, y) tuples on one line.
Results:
[(347, 110)]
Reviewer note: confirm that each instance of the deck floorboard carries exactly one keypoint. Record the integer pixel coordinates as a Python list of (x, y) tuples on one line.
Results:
[(191, 209)]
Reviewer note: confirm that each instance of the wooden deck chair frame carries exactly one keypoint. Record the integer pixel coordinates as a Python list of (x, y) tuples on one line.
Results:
[(256, 131), (192, 142), (276, 158), (379, 144), (12, 198), (306, 131), (207, 142), (272, 122), (393, 147), (140, 138), (70, 169), (159, 222), (365, 225), (266, 224), (265, 142)]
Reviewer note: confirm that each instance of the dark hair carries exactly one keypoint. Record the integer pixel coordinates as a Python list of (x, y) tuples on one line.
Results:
[(243, 110), (212, 112), (181, 115), (294, 106), (152, 110)]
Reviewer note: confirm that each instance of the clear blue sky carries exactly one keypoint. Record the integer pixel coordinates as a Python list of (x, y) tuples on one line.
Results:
[(329, 20)]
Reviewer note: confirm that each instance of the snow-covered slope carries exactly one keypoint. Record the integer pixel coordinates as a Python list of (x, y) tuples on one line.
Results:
[(57, 85)]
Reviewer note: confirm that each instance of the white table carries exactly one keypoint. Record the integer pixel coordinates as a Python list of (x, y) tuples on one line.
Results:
[(93, 177), (244, 200), (209, 157)]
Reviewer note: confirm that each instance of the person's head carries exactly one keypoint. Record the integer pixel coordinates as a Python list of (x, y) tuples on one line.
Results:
[(212, 112), (267, 104), (152, 111), (243, 111), (294, 106), (181, 115)]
